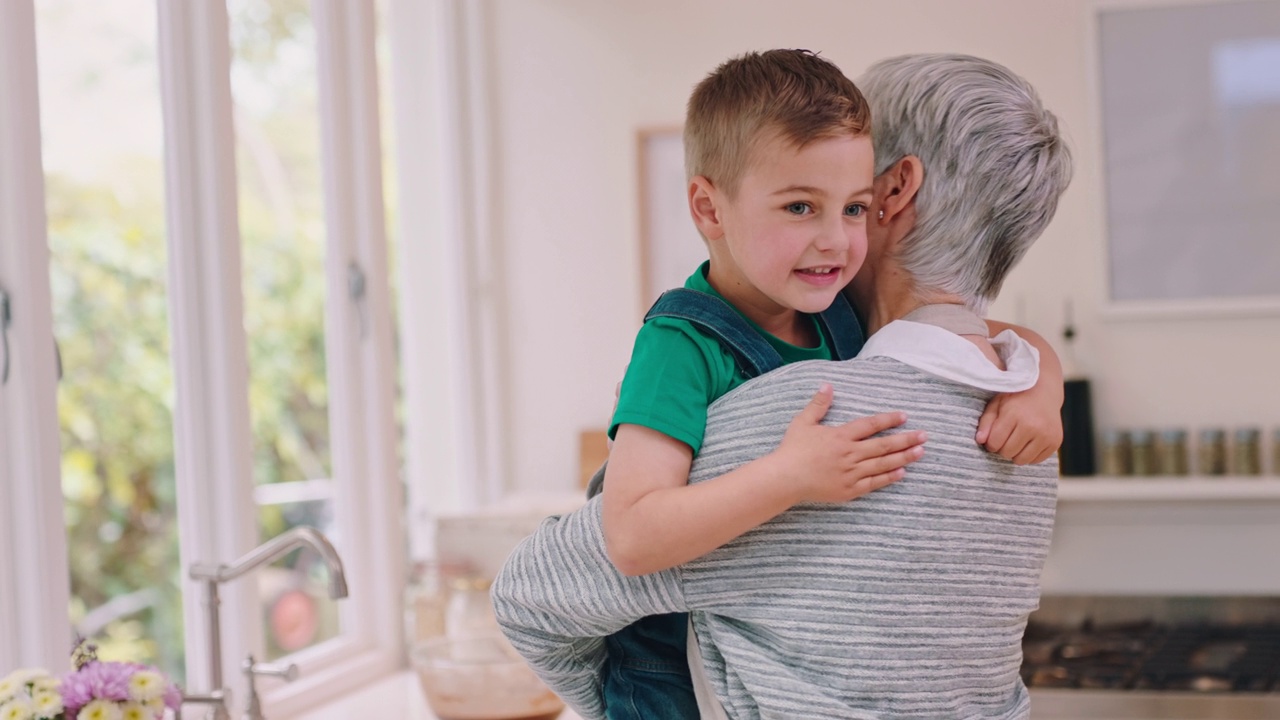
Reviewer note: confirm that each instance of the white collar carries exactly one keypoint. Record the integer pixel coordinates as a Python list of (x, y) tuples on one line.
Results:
[(947, 355)]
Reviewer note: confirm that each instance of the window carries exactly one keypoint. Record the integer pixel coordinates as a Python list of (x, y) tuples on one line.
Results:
[(253, 370)]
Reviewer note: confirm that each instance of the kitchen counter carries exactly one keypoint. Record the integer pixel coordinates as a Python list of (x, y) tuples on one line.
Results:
[(399, 696), (395, 697)]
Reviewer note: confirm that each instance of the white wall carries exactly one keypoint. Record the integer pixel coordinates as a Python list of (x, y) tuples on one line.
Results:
[(574, 79)]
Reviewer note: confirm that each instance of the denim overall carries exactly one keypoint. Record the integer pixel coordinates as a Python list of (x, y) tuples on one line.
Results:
[(647, 674)]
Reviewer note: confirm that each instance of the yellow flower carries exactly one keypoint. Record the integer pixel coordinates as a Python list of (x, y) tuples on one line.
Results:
[(48, 703), (136, 711), (98, 710), (18, 709), (146, 685)]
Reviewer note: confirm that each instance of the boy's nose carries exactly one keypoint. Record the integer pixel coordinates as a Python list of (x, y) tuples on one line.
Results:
[(831, 238)]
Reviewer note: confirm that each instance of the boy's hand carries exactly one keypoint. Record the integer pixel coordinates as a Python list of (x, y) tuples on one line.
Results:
[(1024, 427), (838, 464)]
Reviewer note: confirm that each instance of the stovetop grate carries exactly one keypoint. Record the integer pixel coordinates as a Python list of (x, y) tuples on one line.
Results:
[(1147, 656)]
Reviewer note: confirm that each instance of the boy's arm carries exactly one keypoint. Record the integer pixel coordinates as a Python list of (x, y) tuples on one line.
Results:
[(558, 596), (1026, 427), (654, 520)]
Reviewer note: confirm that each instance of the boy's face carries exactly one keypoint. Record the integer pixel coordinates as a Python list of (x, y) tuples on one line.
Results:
[(796, 232)]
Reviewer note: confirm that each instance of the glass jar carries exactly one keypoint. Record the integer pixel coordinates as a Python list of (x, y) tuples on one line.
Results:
[(425, 603), (1212, 452), (470, 611), (1246, 452), (1145, 461), (1116, 459), (1275, 452), (1173, 452)]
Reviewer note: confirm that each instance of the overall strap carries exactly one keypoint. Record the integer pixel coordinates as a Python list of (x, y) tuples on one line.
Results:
[(842, 328), (715, 317)]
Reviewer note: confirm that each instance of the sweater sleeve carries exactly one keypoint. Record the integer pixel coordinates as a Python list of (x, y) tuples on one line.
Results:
[(558, 596)]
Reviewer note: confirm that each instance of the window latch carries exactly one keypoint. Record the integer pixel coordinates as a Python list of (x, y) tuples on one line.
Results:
[(6, 317), (356, 287)]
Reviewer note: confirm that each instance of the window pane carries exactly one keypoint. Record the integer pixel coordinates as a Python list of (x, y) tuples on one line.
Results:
[(102, 144), (274, 86)]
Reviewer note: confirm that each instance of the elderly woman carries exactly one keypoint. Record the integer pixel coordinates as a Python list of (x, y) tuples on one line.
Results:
[(911, 601)]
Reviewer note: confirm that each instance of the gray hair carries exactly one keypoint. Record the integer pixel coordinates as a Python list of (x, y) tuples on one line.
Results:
[(994, 166)]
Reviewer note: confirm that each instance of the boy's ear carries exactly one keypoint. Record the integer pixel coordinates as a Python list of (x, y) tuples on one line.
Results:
[(896, 187), (704, 202)]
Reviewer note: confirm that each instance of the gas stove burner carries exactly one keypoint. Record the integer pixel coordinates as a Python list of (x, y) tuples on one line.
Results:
[(1040, 652), (1218, 656), (1053, 676), (1200, 684), (1194, 659)]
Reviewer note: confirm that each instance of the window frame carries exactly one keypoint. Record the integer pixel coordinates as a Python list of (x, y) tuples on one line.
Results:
[(213, 448), (217, 513), (35, 587)]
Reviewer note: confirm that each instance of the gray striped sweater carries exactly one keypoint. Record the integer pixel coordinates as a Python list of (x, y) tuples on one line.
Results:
[(907, 603)]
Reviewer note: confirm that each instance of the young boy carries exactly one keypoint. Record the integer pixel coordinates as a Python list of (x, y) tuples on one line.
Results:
[(780, 161)]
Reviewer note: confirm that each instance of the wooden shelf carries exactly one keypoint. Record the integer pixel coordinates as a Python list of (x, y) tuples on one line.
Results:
[(1168, 489)]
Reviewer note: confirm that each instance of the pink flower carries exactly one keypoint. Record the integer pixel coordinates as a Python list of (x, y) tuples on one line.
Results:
[(98, 681), (173, 697)]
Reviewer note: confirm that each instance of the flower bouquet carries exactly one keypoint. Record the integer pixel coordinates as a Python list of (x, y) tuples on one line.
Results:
[(30, 695), (95, 690)]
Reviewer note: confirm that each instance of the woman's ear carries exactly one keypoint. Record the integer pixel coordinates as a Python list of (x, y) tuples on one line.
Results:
[(704, 202), (896, 188)]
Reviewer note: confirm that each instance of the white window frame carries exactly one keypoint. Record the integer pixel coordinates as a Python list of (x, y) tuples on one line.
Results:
[(217, 514), (35, 583), (451, 330), (213, 448)]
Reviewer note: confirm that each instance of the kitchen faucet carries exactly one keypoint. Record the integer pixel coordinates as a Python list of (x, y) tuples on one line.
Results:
[(213, 575)]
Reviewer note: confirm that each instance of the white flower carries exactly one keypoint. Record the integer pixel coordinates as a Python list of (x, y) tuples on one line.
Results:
[(24, 675), (98, 710), (136, 711), (18, 709), (155, 706), (44, 682), (48, 703), (9, 687), (146, 685)]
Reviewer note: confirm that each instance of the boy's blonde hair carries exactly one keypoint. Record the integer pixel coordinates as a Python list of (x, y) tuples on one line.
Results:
[(794, 93)]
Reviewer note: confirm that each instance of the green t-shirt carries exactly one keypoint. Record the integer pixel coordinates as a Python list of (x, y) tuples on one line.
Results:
[(677, 371)]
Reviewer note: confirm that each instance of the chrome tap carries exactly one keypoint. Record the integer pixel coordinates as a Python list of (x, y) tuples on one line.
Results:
[(213, 575)]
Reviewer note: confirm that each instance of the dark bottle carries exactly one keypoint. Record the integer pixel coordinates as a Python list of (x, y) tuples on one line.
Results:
[(1076, 457)]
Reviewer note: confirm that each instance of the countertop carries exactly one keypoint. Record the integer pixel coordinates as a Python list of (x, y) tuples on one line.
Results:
[(399, 697), (395, 697)]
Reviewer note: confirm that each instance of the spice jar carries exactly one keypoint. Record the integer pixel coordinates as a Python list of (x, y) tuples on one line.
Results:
[(470, 611), (1275, 452), (1116, 458), (425, 602), (1212, 452), (1144, 453), (1173, 452), (1246, 456)]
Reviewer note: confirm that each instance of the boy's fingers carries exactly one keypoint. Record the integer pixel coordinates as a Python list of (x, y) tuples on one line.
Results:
[(986, 421), (883, 446), (889, 462), (1028, 455), (1017, 444), (998, 436), (875, 482), (817, 407), (868, 426)]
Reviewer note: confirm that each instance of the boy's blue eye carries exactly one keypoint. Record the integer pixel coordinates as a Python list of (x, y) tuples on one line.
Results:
[(798, 208), (855, 210)]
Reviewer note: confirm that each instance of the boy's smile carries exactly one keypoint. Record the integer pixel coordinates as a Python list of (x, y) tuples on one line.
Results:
[(794, 234)]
